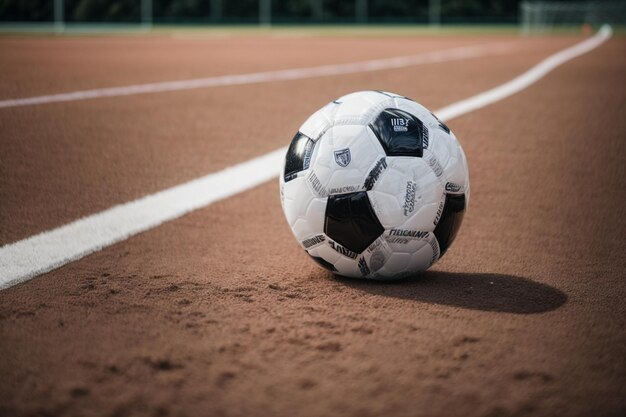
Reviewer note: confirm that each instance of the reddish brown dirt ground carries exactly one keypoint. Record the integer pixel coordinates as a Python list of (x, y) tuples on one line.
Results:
[(220, 312)]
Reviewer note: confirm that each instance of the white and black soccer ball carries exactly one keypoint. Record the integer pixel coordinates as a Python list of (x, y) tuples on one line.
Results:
[(374, 186)]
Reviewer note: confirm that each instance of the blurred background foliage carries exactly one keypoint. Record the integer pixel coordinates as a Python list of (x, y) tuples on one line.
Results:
[(247, 11)]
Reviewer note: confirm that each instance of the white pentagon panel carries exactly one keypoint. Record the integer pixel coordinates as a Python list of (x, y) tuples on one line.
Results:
[(347, 267), (465, 175), (441, 147), (343, 157), (325, 252), (425, 256), (312, 241), (397, 264), (402, 240), (446, 155), (407, 194), (457, 179), (320, 121), (296, 199), (311, 221), (427, 215)]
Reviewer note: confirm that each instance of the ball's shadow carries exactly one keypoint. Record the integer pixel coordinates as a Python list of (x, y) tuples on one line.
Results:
[(486, 292)]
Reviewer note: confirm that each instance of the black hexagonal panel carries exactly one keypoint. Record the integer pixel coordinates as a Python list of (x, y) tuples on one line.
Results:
[(323, 263), (450, 220), (298, 156), (400, 133), (351, 221)]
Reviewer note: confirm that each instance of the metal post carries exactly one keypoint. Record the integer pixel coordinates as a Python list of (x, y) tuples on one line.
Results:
[(317, 10), (216, 10), (434, 13), (361, 11), (59, 15), (146, 14), (265, 12), (523, 17)]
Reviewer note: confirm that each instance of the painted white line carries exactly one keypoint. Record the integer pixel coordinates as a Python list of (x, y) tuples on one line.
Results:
[(46, 251), (49, 250), (454, 54), (529, 77)]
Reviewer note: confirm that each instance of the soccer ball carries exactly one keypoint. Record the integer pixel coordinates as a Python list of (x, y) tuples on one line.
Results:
[(374, 186)]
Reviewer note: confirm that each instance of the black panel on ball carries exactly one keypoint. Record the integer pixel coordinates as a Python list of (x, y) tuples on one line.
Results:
[(323, 263), (450, 221), (400, 133), (351, 221), (298, 156)]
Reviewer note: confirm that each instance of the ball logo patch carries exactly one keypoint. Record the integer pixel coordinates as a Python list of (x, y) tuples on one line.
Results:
[(342, 157), (400, 124)]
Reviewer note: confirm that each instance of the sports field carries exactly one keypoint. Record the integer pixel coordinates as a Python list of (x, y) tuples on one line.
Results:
[(174, 304)]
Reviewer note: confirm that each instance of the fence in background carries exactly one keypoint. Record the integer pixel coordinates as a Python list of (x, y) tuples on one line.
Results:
[(545, 17), (263, 12)]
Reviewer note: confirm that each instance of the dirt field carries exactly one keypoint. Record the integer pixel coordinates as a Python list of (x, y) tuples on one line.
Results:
[(220, 313)]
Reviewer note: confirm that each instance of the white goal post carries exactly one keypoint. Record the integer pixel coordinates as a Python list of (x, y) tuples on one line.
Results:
[(538, 17)]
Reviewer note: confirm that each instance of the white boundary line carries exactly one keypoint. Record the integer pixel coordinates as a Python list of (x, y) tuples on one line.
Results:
[(453, 54), (529, 77), (49, 250)]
